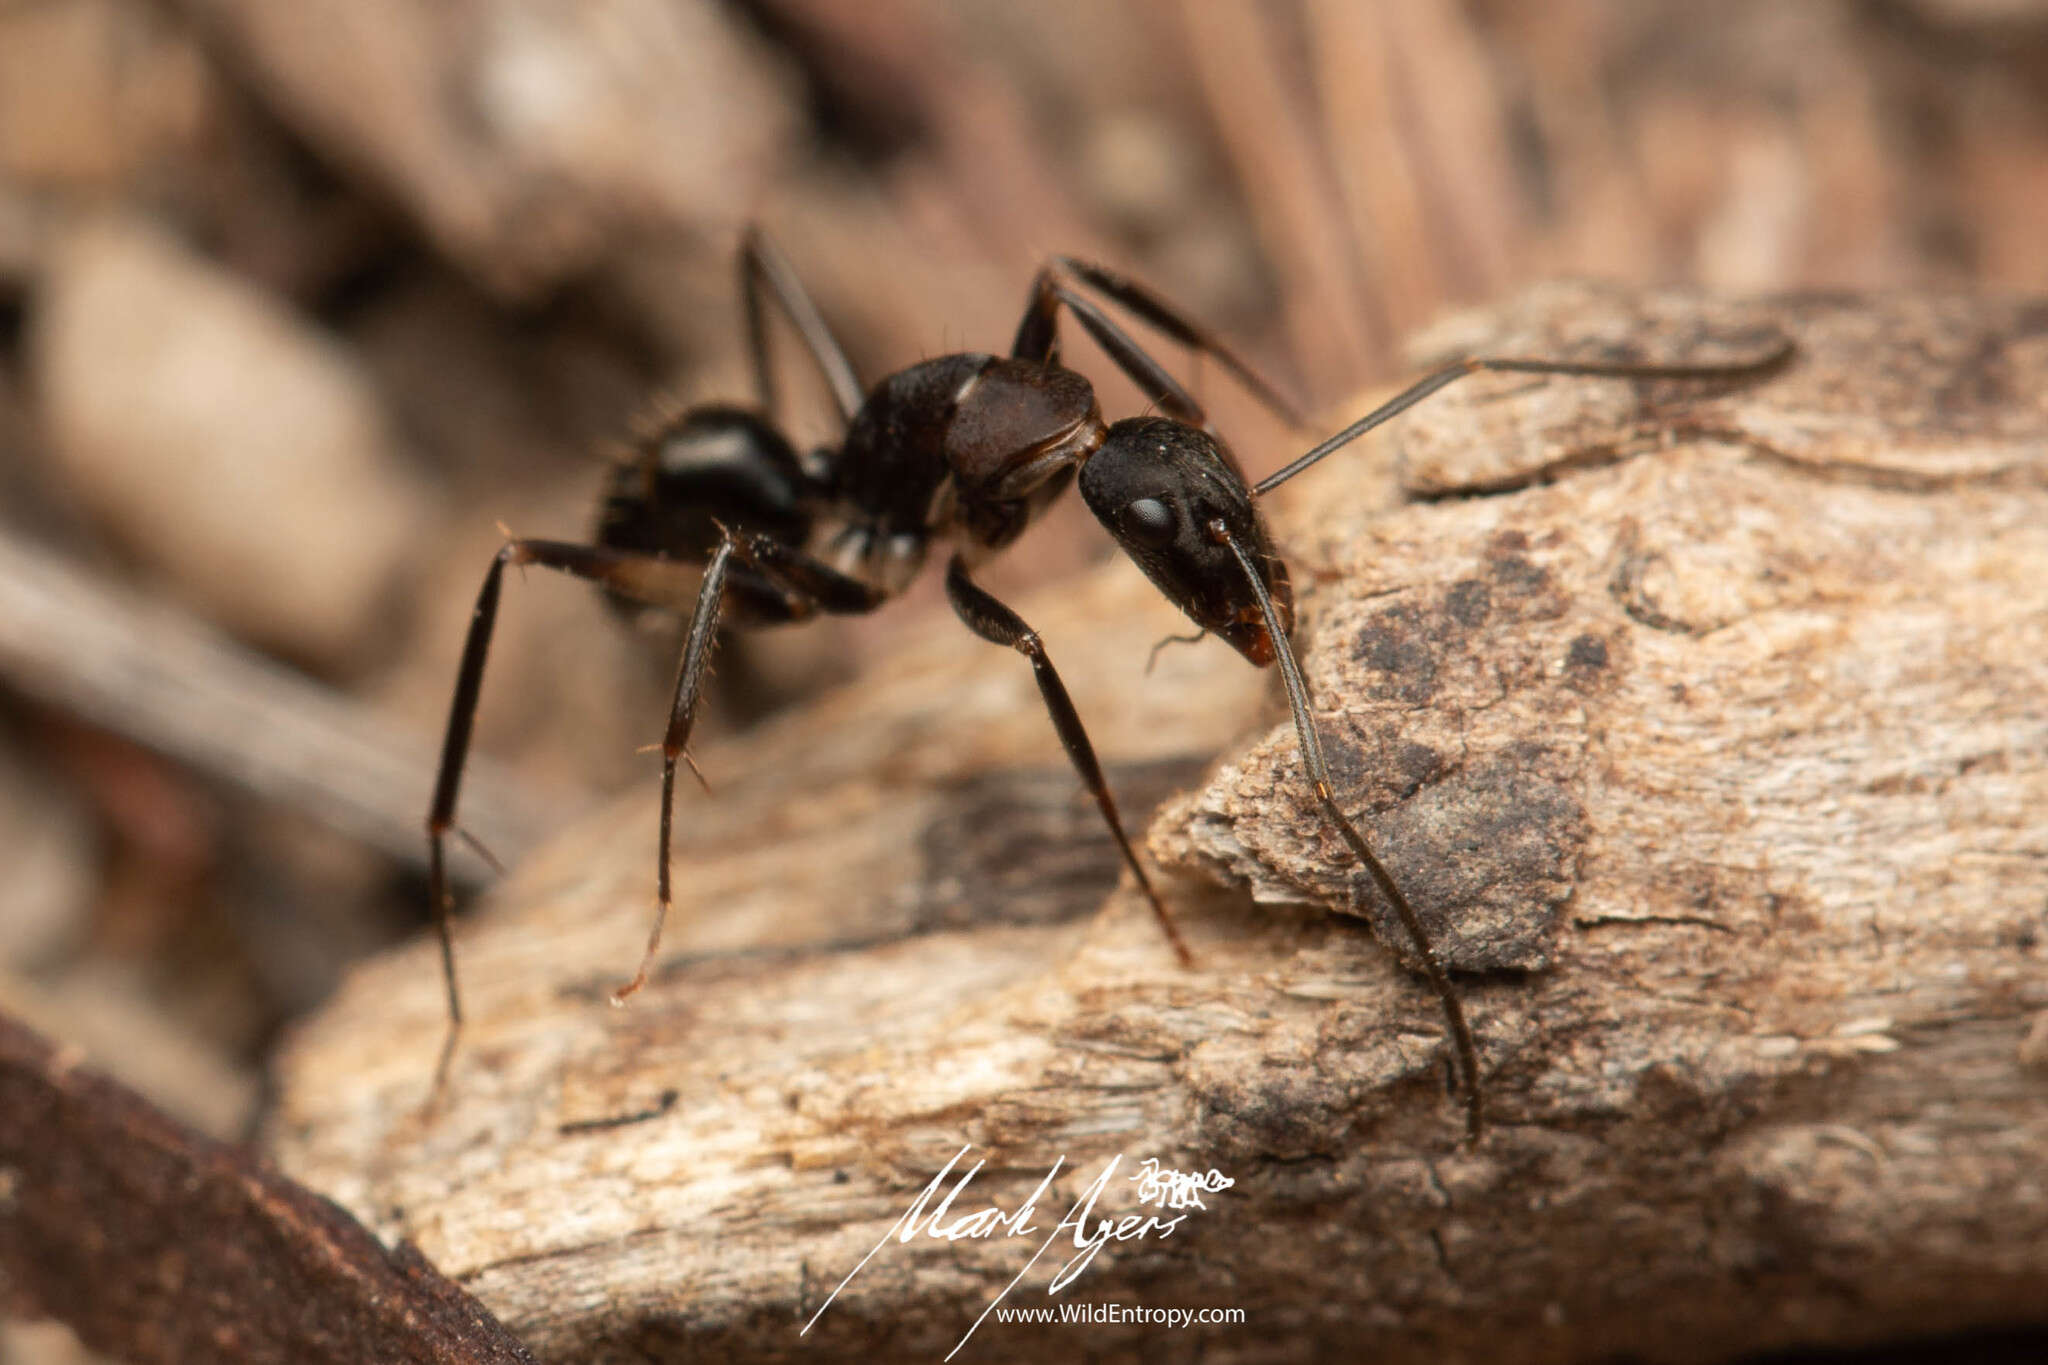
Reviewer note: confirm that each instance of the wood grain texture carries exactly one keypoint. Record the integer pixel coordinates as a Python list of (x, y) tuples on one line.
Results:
[(1709, 724)]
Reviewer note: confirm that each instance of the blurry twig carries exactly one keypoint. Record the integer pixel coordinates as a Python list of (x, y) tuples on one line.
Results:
[(153, 674), (1003, 175), (1289, 187)]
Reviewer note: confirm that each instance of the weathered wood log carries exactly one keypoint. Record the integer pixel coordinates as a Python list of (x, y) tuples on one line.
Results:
[(1707, 727), (158, 1244)]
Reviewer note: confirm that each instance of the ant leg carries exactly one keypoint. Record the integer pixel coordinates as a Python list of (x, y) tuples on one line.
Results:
[(1038, 333), (782, 585), (995, 622), (1319, 778), (1155, 311), (1038, 339), (762, 262), (642, 577), (1152, 659), (807, 586), (1756, 367), (682, 714)]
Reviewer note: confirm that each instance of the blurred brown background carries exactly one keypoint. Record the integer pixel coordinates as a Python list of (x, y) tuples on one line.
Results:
[(301, 299)]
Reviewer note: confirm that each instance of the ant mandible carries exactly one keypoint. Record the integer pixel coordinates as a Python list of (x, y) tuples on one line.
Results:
[(968, 447)]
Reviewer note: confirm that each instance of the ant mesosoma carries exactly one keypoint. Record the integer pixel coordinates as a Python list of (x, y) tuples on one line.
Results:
[(718, 514)]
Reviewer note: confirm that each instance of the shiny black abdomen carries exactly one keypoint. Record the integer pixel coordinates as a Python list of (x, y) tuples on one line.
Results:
[(717, 466)]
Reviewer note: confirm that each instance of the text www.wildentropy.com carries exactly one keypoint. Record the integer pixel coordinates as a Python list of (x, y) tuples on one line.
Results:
[(1105, 1313)]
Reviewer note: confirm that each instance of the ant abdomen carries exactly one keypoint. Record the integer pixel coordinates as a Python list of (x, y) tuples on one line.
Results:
[(715, 466)]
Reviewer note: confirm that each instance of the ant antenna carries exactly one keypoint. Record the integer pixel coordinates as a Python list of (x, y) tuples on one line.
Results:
[(1429, 384), (1319, 776)]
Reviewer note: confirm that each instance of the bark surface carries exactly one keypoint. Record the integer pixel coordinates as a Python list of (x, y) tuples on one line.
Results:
[(1706, 726)]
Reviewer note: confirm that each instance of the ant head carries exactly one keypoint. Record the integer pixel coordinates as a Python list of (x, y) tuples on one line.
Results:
[(1171, 495)]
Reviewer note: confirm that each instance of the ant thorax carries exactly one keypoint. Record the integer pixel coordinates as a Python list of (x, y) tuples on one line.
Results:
[(967, 448), (881, 560)]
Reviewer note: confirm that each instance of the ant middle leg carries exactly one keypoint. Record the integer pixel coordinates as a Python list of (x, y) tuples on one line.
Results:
[(995, 622)]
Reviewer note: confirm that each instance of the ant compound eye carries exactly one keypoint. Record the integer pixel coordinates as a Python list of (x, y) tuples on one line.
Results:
[(1149, 521)]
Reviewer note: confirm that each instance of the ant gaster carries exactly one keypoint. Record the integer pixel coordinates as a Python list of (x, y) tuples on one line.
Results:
[(970, 448)]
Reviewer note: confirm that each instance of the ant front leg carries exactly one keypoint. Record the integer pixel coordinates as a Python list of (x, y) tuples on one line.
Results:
[(786, 585), (773, 582), (643, 578), (998, 624)]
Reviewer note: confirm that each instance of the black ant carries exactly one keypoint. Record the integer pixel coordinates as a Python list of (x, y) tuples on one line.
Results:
[(968, 447)]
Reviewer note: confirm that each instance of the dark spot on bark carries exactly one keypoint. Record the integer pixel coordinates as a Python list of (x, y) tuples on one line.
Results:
[(1303, 1185), (1270, 1113), (1487, 857), (1395, 643), (1997, 761), (1980, 382), (1382, 771), (2030, 319), (1901, 784), (1822, 300), (1519, 576), (1347, 762), (1588, 654), (660, 1107), (1468, 602), (1419, 765)]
